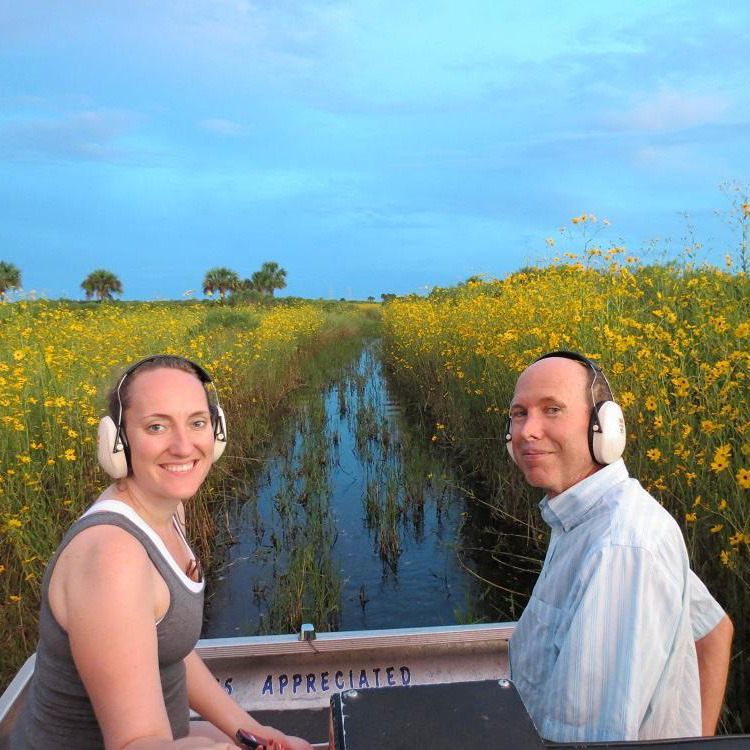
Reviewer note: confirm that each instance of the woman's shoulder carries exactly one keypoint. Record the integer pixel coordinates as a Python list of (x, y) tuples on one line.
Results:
[(108, 521), (105, 540), (103, 548), (102, 566)]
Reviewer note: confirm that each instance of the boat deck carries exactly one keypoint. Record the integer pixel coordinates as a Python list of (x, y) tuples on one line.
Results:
[(392, 687)]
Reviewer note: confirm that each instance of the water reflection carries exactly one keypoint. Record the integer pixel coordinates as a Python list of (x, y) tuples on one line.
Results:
[(351, 525)]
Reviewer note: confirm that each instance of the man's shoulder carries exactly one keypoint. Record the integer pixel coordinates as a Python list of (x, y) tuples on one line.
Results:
[(637, 519)]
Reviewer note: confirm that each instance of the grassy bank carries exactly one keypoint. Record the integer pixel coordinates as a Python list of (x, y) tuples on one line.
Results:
[(56, 363), (674, 343)]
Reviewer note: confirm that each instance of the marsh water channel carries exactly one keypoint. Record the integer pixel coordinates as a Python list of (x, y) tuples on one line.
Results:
[(355, 522)]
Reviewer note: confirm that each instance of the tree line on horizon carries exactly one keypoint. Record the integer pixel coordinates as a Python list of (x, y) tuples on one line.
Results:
[(265, 281), (102, 284), (10, 278)]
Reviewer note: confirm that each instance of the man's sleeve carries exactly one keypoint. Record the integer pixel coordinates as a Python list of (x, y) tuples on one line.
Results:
[(705, 612), (614, 649)]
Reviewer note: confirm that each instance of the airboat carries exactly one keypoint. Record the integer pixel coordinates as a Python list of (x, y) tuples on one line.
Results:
[(429, 687)]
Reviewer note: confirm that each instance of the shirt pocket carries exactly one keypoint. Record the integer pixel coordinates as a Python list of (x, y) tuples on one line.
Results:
[(533, 648)]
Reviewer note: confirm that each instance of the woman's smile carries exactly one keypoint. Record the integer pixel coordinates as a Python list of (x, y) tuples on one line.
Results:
[(180, 468)]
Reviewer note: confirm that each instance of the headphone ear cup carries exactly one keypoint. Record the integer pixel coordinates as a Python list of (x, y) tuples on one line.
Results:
[(509, 440), (608, 444), (110, 451), (220, 433)]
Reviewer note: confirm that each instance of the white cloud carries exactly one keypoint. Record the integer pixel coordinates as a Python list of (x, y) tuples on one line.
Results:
[(88, 135), (671, 110), (219, 126), (680, 159)]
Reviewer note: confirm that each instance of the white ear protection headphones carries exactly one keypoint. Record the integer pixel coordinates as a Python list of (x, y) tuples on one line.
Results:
[(112, 442), (607, 423)]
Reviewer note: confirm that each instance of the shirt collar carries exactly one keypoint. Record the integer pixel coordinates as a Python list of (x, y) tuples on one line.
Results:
[(569, 508)]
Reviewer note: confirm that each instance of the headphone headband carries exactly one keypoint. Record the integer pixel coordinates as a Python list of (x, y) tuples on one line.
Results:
[(203, 376), (584, 360), (199, 371)]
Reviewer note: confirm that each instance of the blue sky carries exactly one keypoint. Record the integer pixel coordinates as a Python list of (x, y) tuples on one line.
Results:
[(365, 146)]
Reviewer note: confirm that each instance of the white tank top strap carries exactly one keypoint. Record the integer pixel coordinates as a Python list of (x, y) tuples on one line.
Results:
[(109, 505)]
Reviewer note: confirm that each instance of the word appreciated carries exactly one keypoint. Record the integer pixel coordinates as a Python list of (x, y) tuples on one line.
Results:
[(324, 682)]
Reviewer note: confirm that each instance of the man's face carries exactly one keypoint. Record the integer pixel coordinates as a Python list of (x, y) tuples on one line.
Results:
[(550, 415)]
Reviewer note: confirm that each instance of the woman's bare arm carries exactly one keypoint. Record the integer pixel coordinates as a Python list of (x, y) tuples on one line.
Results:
[(210, 700), (108, 603)]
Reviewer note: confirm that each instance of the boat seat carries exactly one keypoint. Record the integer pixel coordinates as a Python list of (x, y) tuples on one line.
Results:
[(483, 714)]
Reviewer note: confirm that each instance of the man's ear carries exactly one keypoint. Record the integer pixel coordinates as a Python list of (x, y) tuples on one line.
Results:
[(509, 439)]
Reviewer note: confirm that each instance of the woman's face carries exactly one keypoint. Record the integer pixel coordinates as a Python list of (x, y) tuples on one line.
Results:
[(170, 435)]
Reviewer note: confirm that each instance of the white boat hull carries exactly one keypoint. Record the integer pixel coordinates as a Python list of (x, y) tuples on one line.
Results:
[(289, 682), (283, 674)]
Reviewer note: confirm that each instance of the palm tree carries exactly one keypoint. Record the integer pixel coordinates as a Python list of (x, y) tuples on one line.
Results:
[(221, 280), (102, 284), (10, 277), (270, 277)]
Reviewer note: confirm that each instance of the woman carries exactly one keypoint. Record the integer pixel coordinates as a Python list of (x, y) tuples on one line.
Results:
[(122, 598)]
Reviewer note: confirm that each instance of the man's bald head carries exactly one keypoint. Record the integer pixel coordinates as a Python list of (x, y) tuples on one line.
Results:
[(597, 386)]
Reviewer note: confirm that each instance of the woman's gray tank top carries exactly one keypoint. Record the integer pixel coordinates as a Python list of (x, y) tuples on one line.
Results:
[(58, 712)]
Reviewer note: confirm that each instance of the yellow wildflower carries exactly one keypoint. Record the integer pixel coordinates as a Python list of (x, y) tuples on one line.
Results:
[(625, 399), (743, 478), (721, 458)]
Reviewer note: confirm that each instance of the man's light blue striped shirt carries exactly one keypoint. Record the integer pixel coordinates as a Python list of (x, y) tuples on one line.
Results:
[(605, 649)]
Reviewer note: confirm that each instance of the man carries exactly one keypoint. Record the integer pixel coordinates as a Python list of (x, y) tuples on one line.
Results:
[(606, 647)]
